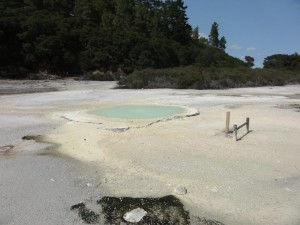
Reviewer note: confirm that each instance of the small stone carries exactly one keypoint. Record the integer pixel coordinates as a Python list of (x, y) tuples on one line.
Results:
[(214, 189), (119, 129), (78, 206), (104, 180), (135, 215), (181, 190), (89, 184), (52, 180)]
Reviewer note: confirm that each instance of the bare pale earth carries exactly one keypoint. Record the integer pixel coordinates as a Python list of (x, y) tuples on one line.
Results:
[(253, 181)]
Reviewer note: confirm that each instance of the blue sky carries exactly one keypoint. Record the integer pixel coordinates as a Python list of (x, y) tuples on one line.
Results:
[(258, 28)]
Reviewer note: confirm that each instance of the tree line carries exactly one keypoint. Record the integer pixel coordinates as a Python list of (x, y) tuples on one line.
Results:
[(77, 36), (105, 39), (283, 61)]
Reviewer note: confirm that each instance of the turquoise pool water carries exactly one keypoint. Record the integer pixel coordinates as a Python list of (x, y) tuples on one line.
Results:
[(138, 111)]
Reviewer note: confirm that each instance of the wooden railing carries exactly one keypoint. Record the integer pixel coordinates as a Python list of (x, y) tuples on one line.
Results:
[(236, 128)]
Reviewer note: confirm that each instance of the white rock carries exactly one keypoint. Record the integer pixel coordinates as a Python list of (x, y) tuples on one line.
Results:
[(214, 190), (180, 190), (135, 215), (89, 184)]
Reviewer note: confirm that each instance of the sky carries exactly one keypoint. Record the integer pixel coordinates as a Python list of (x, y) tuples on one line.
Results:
[(257, 28)]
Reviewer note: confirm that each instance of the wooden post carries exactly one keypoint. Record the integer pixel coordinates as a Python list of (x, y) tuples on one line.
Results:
[(235, 132), (247, 124), (227, 122)]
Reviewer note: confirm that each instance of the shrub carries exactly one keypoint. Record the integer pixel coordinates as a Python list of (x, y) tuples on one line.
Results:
[(208, 78), (99, 76)]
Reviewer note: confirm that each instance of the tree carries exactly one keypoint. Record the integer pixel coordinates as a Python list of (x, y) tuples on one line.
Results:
[(249, 61), (78, 36), (283, 61), (195, 33), (176, 23), (214, 35), (124, 14), (222, 43), (11, 58)]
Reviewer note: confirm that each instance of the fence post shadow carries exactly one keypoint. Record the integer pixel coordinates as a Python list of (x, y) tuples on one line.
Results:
[(239, 139)]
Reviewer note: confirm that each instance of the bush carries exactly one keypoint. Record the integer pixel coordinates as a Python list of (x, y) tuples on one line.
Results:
[(99, 76), (208, 78)]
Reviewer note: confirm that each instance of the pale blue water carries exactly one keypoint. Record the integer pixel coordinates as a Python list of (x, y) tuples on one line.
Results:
[(138, 111)]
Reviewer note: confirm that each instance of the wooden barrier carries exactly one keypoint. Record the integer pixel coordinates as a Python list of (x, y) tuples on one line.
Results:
[(227, 122), (236, 128)]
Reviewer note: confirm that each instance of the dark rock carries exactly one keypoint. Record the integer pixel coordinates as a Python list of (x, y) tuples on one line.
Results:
[(160, 211), (88, 216)]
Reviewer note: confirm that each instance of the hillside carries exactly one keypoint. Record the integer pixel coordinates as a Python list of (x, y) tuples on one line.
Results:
[(75, 37), (122, 39)]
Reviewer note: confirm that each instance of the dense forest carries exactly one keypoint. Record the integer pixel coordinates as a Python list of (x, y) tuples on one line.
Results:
[(142, 43)]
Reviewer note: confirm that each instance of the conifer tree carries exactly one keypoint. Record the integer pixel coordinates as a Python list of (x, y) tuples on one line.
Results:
[(222, 43), (214, 35), (249, 61)]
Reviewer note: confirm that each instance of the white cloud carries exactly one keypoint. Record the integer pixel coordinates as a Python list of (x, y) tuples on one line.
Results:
[(236, 47), (250, 49)]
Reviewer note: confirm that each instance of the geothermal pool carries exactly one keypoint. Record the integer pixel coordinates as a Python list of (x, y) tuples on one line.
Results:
[(138, 111)]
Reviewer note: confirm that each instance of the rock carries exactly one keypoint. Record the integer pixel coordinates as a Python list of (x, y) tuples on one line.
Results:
[(180, 190), (104, 180), (163, 211), (214, 189), (6, 148), (119, 129), (204, 221), (87, 215), (135, 215), (89, 184), (77, 206)]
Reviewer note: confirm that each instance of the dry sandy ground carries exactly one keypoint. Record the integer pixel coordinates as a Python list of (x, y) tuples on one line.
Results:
[(253, 181)]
